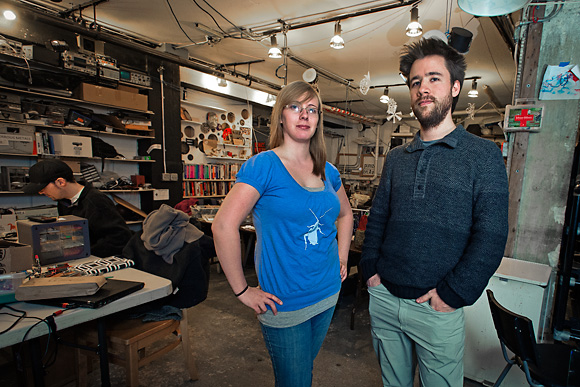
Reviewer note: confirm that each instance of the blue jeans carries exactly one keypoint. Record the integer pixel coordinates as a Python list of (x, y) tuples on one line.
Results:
[(294, 349)]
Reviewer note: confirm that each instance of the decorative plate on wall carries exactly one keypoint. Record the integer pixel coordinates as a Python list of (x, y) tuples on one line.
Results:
[(231, 117), (245, 114), (189, 131), (212, 120), (184, 148)]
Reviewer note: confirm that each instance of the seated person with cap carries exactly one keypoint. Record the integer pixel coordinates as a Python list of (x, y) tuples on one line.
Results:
[(108, 231)]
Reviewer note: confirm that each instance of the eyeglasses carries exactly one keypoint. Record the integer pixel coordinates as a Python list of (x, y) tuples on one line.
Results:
[(296, 108)]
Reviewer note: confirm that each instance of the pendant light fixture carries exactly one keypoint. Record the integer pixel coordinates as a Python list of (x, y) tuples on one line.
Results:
[(337, 42), (473, 93), (385, 97), (274, 52), (491, 7), (414, 28)]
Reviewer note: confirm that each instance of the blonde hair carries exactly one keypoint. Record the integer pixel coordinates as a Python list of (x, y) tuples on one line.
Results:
[(299, 91)]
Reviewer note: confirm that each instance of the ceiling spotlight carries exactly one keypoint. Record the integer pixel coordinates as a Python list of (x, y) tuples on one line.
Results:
[(9, 15), (414, 28), (385, 97), (221, 81), (337, 42), (473, 93), (274, 51)]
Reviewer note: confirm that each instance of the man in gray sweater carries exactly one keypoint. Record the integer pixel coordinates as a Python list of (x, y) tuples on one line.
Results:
[(437, 228)]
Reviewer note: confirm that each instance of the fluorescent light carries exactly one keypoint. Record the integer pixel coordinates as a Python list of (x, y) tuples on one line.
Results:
[(414, 28), (337, 42)]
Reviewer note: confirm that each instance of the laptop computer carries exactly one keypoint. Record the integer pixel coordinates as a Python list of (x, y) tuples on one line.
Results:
[(111, 291)]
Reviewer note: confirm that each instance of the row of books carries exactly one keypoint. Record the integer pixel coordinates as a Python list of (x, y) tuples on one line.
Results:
[(210, 171), (209, 188), (44, 143), (62, 145)]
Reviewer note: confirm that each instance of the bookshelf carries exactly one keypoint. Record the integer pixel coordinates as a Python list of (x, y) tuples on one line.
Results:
[(208, 180), (216, 140)]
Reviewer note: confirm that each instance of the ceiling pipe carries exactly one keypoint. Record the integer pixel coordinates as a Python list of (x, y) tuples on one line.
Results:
[(332, 19), (505, 27), (80, 7), (138, 45)]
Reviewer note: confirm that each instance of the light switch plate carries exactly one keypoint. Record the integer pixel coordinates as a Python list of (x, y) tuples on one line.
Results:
[(161, 194)]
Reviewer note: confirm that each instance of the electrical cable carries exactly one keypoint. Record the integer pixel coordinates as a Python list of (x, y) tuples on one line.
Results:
[(290, 20), (212, 18), (19, 317), (177, 21), (47, 359), (493, 59)]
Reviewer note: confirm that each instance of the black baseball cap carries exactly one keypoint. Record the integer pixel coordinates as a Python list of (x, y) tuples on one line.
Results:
[(45, 172)]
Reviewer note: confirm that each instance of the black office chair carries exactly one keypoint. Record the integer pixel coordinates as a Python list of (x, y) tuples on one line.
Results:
[(543, 364)]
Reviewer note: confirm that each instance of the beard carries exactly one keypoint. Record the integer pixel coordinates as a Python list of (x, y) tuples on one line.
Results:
[(431, 117)]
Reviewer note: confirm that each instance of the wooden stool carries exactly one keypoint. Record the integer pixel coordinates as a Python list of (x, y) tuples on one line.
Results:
[(127, 343)]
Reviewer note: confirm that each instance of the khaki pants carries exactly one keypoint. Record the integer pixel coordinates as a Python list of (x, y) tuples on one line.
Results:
[(400, 326)]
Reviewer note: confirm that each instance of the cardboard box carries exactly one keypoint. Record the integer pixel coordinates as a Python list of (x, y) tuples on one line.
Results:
[(128, 89), (69, 145), (15, 256), (8, 223), (115, 97), (75, 165), (16, 139)]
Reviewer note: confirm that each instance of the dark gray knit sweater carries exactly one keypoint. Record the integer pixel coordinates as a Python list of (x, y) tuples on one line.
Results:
[(439, 219)]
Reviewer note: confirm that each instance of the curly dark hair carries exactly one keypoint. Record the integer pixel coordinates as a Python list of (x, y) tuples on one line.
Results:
[(454, 61)]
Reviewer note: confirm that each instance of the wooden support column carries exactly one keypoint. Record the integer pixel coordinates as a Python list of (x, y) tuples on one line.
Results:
[(541, 163), (527, 89)]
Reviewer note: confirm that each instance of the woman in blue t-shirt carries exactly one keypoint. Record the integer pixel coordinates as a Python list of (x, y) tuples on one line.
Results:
[(303, 224)]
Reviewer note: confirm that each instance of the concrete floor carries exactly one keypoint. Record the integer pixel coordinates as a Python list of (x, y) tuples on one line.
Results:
[(229, 349)]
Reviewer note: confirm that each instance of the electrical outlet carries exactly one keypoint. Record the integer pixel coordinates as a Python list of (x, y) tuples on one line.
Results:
[(166, 177), (174, 176)]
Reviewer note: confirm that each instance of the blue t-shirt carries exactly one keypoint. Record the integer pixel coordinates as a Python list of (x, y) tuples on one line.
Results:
[(296, 254)]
